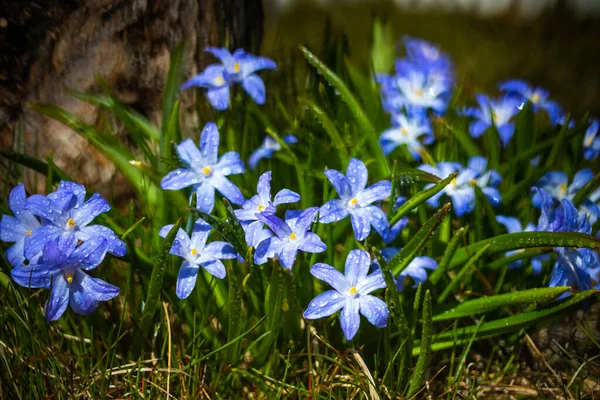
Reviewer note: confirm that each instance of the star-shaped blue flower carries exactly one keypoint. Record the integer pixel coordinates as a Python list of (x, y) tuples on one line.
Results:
[(196, 253), (204, 171), (356, 199), (66, 215), (591, 141), (63, 273), (427, 55), (460, 190), (493, 112), (350, 294), (239, 67), (523, 92), (407, 130), (291, 235), (262, 203), (267, 148), (16, 228)]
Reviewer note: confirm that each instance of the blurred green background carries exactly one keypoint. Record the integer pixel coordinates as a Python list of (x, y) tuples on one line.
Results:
[(558, 49)]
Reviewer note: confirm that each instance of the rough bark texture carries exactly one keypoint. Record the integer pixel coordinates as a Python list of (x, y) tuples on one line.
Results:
[(50, 46)]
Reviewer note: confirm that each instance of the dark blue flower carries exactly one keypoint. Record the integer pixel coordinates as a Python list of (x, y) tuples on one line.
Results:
[(262, 203), (16, 228), (267, 148), (291, 235), (498, 113), (573, 267), (239, 67), (204, 171), (460, 190), (523, 92), (66, 215), (196, 253), (591, 141), (355, 200), (350, 294), (62, 271)]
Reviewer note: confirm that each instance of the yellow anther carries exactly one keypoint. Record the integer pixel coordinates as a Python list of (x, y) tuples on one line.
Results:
[(404, 131), (589, 140), (454, 181), (419, 92), (69, 276), (219, 80), (293, 236), (70, 222), (352, 290), (28, 233), (206, 170), (563, 188), (261, 207), (194, 251), (236, 67), (473, 181), (354, 201), (535, 98)]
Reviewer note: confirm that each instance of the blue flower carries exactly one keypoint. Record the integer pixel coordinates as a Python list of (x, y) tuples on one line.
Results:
[(206, 172), (16, 228), (416, 269), (514, 225), (355, 200), (237, 68), (493, 112), (61, 271), (414, 88), (350, 294), (261, 203), (291, 235), (573, 267), (196, 253), (427, 55), (267, 148), (66, 215), (460, 190), (591, 141), (407, 130), (538, 97)]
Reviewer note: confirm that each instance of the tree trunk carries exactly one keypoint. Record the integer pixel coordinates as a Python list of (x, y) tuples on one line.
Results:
[(48, 47)]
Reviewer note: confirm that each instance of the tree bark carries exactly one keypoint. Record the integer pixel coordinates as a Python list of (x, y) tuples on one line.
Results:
[(48, 47)]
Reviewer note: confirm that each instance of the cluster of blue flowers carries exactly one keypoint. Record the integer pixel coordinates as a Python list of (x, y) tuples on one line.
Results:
[(54, 244)]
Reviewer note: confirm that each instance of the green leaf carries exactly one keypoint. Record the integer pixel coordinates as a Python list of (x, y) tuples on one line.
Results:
[(426, 338), (171, 92), (421, 198), (448, 254), (523, 240), (458, 279), (156, 279), (414, 246), (409, 176), (29, 162), (330, 129), (354, 106), (465, 140), (235, 315), (383, 50), (486, 304)]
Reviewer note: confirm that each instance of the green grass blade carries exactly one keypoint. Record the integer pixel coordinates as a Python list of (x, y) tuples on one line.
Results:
[(414, 246), (156, 280), (448, 254), (421, 198), (523, 240), (426, 338), (409, 176), (355, 108), (586, 190), (486, 304), (459, 277)]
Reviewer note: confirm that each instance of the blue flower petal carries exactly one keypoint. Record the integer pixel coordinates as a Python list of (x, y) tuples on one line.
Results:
[(227, 188), (95, 206), (96, 288), (179, 179), (186, 279), (312, 243), (332, 211), (255, 87), (34, 276), (46, 208), (357, 266), (115, 245), (350, 318), (286, 196), (339, 182), (357, 175), (59, 298), (218, 97), (278, 226), (216, 268), (374, 310), (330, 275), (205, 196), (324, 304)]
